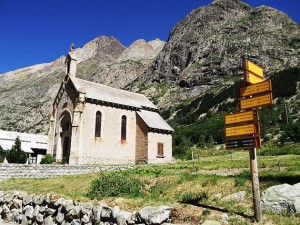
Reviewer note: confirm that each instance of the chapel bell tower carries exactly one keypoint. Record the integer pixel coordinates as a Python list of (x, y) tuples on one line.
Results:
[(71, 62)]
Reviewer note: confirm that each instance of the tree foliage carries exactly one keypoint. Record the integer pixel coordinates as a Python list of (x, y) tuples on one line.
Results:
[(48, 159), (15, 154)]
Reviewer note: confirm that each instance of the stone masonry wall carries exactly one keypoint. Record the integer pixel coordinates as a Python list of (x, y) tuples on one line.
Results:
[(38, 209), (42, 170)]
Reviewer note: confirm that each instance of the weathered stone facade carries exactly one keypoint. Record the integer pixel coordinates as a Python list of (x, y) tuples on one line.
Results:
[(96, 124)]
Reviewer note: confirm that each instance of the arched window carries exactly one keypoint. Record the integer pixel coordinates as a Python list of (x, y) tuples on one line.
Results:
[(98, 124), (123, 128)]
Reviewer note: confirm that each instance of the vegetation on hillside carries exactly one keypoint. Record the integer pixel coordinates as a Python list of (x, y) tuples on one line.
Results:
[(200, 121)]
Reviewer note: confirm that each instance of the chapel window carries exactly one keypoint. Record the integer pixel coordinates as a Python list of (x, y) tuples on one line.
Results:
[(98, 124), (123, 128), (160, 149)]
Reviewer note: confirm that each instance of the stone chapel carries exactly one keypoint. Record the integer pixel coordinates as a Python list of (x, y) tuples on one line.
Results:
[(92, 123)]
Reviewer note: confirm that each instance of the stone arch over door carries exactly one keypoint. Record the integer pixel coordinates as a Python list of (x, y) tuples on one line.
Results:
[(65, 135)]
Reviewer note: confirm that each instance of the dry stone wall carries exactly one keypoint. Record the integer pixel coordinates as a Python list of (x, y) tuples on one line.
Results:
[(23, 208), (43, 171)]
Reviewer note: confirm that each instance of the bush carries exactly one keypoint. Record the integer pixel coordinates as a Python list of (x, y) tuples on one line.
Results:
[(115, 185), (193, 198), (48, 159), (15, 154)]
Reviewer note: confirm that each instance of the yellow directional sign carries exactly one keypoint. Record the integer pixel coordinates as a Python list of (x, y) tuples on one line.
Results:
[(249, 103), (265, 86), (241, 117), (253, 68), (241, 130), (252, 78)]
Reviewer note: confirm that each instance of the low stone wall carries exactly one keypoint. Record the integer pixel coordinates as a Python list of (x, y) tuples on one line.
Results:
[(44, 170), (34, 209)]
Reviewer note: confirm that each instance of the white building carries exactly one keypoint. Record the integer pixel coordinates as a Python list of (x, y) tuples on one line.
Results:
[(96, 124), (33, 144)]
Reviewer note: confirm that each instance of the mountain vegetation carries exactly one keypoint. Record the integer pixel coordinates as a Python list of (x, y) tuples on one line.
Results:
[(193, 78)]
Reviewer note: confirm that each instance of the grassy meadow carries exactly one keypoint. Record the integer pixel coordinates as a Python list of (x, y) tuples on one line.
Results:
[(191, 187)]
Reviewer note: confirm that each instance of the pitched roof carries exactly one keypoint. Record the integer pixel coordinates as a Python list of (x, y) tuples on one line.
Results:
[(154, 120), (28, 141), (112, 95)]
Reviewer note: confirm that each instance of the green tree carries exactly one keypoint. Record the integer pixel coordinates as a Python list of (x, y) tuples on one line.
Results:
[(2, 154), (15, 154), (292, 131), (48, 159)]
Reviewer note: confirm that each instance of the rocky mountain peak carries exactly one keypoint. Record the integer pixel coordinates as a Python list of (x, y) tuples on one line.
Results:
[(209, 42), (105, 48), (141, 49)]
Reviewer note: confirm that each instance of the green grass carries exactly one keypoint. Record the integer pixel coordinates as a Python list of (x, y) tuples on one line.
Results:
[(185, 187)]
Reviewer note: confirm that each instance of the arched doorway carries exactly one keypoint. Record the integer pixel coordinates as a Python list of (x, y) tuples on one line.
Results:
[(65, 135)]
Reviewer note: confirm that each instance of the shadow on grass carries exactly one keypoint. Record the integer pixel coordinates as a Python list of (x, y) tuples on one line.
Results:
[(222, 210), (275, 179)]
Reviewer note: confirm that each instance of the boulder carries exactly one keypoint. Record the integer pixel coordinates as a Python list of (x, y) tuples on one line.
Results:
[(106, 212), (155, 215), (282, 198), (39, 218), (125, 218), (16, 215), (239, 196), (28, 211), (25, 221), (27, 199), (38, 199), (48, 221), (6, 213), (211, 222)]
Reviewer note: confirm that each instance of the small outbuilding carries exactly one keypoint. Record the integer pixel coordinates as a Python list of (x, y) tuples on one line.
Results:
[(33, 144)]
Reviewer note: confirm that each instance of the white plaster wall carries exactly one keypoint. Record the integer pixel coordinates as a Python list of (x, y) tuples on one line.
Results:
[(153, 139), (107, 149)]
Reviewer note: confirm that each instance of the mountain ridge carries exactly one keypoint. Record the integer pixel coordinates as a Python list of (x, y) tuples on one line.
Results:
[(202, 55)]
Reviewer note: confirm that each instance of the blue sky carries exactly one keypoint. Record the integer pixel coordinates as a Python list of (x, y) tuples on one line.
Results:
[(39, 31)]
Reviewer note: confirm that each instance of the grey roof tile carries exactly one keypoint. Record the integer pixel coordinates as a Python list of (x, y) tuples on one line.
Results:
[(154, 120), (113, 95)]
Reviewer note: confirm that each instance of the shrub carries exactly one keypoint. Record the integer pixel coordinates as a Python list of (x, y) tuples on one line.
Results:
[(193, 198), (115, 185), (48, 159), (15, 154)]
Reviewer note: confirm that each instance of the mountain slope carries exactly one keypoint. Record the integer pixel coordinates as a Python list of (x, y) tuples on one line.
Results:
[(205, 48), (201, 62), (26, 95)]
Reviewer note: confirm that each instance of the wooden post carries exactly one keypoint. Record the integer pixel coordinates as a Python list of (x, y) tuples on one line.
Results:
[(255, 185)]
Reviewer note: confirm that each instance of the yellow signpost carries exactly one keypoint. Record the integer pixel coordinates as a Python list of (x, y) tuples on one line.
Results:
[(241, 117), (252, 78), (247, 136), (242, 130), (262, 100), (262, 87), (253, 68)]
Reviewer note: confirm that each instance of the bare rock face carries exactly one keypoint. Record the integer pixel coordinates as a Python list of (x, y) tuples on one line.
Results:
[(142, 50), (209, 42), (105, 49)]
